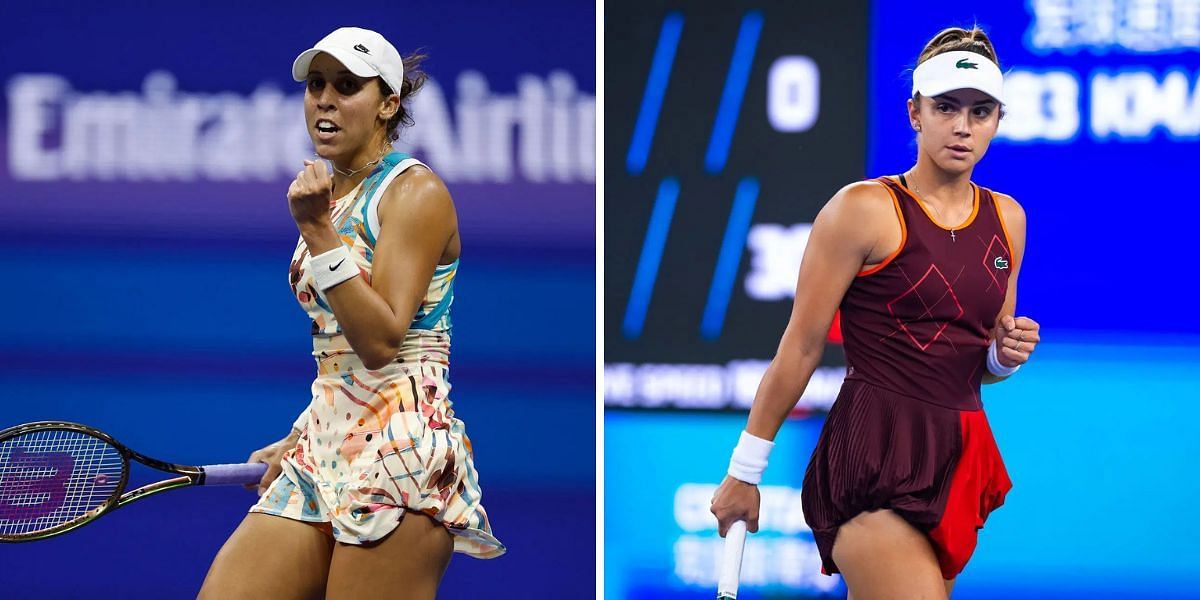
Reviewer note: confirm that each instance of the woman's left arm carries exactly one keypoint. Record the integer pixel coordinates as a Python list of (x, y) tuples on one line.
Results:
[(417, 221), (1016, 337)]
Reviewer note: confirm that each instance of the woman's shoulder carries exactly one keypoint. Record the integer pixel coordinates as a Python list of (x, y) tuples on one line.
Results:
[(864, 198), (417, 178), (417, 189), (859, 215), (1012, 210)]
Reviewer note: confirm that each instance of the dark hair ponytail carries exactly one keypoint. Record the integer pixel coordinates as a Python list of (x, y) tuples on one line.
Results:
[(414, 79)]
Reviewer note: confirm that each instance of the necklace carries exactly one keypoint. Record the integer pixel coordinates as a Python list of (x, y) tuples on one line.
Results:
[(921, 198), (354, 172)]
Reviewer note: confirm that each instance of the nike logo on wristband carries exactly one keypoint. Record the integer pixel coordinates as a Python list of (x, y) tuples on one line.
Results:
[(334, 267)]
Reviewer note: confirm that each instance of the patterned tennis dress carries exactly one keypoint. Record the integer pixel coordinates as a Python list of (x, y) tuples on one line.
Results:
[(375, 443)]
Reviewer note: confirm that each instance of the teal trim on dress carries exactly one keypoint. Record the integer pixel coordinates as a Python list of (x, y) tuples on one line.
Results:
[(430, 320), (390, 161)]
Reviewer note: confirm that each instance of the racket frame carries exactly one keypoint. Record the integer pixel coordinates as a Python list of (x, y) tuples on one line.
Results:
[(188, 475)]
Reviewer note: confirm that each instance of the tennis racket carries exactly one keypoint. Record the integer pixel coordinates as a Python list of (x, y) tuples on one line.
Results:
[(731, 561), (57, 476)]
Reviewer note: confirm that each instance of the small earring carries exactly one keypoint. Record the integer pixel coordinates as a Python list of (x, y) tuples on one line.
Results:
[(918, 128)]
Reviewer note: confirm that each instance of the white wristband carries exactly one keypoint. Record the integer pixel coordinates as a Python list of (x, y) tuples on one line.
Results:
[(750, 458), (333, 267), (993, 363)]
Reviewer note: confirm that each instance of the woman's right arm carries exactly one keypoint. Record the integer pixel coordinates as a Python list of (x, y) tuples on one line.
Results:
[(851, 231), (844, 238)]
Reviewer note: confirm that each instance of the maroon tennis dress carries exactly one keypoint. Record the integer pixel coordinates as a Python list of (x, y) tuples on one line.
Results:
[(907, 431)]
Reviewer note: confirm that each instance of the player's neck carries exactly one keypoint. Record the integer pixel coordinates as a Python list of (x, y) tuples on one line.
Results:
[(347, 175), (938, 187), (342, 184)]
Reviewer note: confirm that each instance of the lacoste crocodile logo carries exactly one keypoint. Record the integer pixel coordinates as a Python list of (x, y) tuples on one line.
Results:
[(1001, 263), (965, 64)]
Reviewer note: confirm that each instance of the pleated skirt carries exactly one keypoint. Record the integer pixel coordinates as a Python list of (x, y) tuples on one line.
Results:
[(937, 468)]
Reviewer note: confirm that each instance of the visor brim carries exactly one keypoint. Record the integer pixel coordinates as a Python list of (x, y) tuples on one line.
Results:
[(348, 59)]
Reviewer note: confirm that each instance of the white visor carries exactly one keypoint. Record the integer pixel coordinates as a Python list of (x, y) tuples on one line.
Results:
[(957, 71)]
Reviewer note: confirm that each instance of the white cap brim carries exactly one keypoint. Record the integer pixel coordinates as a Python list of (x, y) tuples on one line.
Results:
[(946, 73), (352, 62)]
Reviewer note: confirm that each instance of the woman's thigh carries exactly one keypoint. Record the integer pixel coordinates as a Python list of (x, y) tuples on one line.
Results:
[(408, 563), (881, 556), (270, 557)]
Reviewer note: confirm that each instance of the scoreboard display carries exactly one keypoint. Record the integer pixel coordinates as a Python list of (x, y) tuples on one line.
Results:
[(727, 130)]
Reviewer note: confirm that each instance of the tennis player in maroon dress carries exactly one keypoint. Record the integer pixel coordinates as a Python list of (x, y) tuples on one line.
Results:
[(923, 267)]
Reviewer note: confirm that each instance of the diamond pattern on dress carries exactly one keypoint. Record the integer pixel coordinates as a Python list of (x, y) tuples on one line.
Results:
[(997, 254), (924, 321)]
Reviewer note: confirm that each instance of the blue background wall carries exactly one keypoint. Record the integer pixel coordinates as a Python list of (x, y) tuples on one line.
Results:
[(159, 310)]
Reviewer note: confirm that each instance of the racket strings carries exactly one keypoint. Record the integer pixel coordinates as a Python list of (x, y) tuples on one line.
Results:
[(54, 476)]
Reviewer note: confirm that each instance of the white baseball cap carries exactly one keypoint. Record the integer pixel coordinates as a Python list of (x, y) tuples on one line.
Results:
[(956, 71), (364, 52)]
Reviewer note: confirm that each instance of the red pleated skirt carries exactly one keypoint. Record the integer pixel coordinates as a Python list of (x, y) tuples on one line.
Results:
[(938, 468)]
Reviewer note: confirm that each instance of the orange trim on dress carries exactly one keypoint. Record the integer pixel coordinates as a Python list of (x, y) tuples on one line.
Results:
[(963, 225), (1003, 224), (903, 235)]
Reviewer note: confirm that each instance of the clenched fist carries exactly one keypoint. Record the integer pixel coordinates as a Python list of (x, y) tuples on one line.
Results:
[(311, 194), (1015, 339)]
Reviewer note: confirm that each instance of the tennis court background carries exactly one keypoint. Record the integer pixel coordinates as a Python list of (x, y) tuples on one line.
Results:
[(701, 248), (147, 148)]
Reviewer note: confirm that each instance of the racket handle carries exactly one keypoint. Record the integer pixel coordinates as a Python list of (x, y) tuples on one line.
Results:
[(239, 474), (731, 561)]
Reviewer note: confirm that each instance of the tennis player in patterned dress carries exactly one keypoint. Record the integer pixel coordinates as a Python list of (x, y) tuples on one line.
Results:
[(376, 485), (924, 269)]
